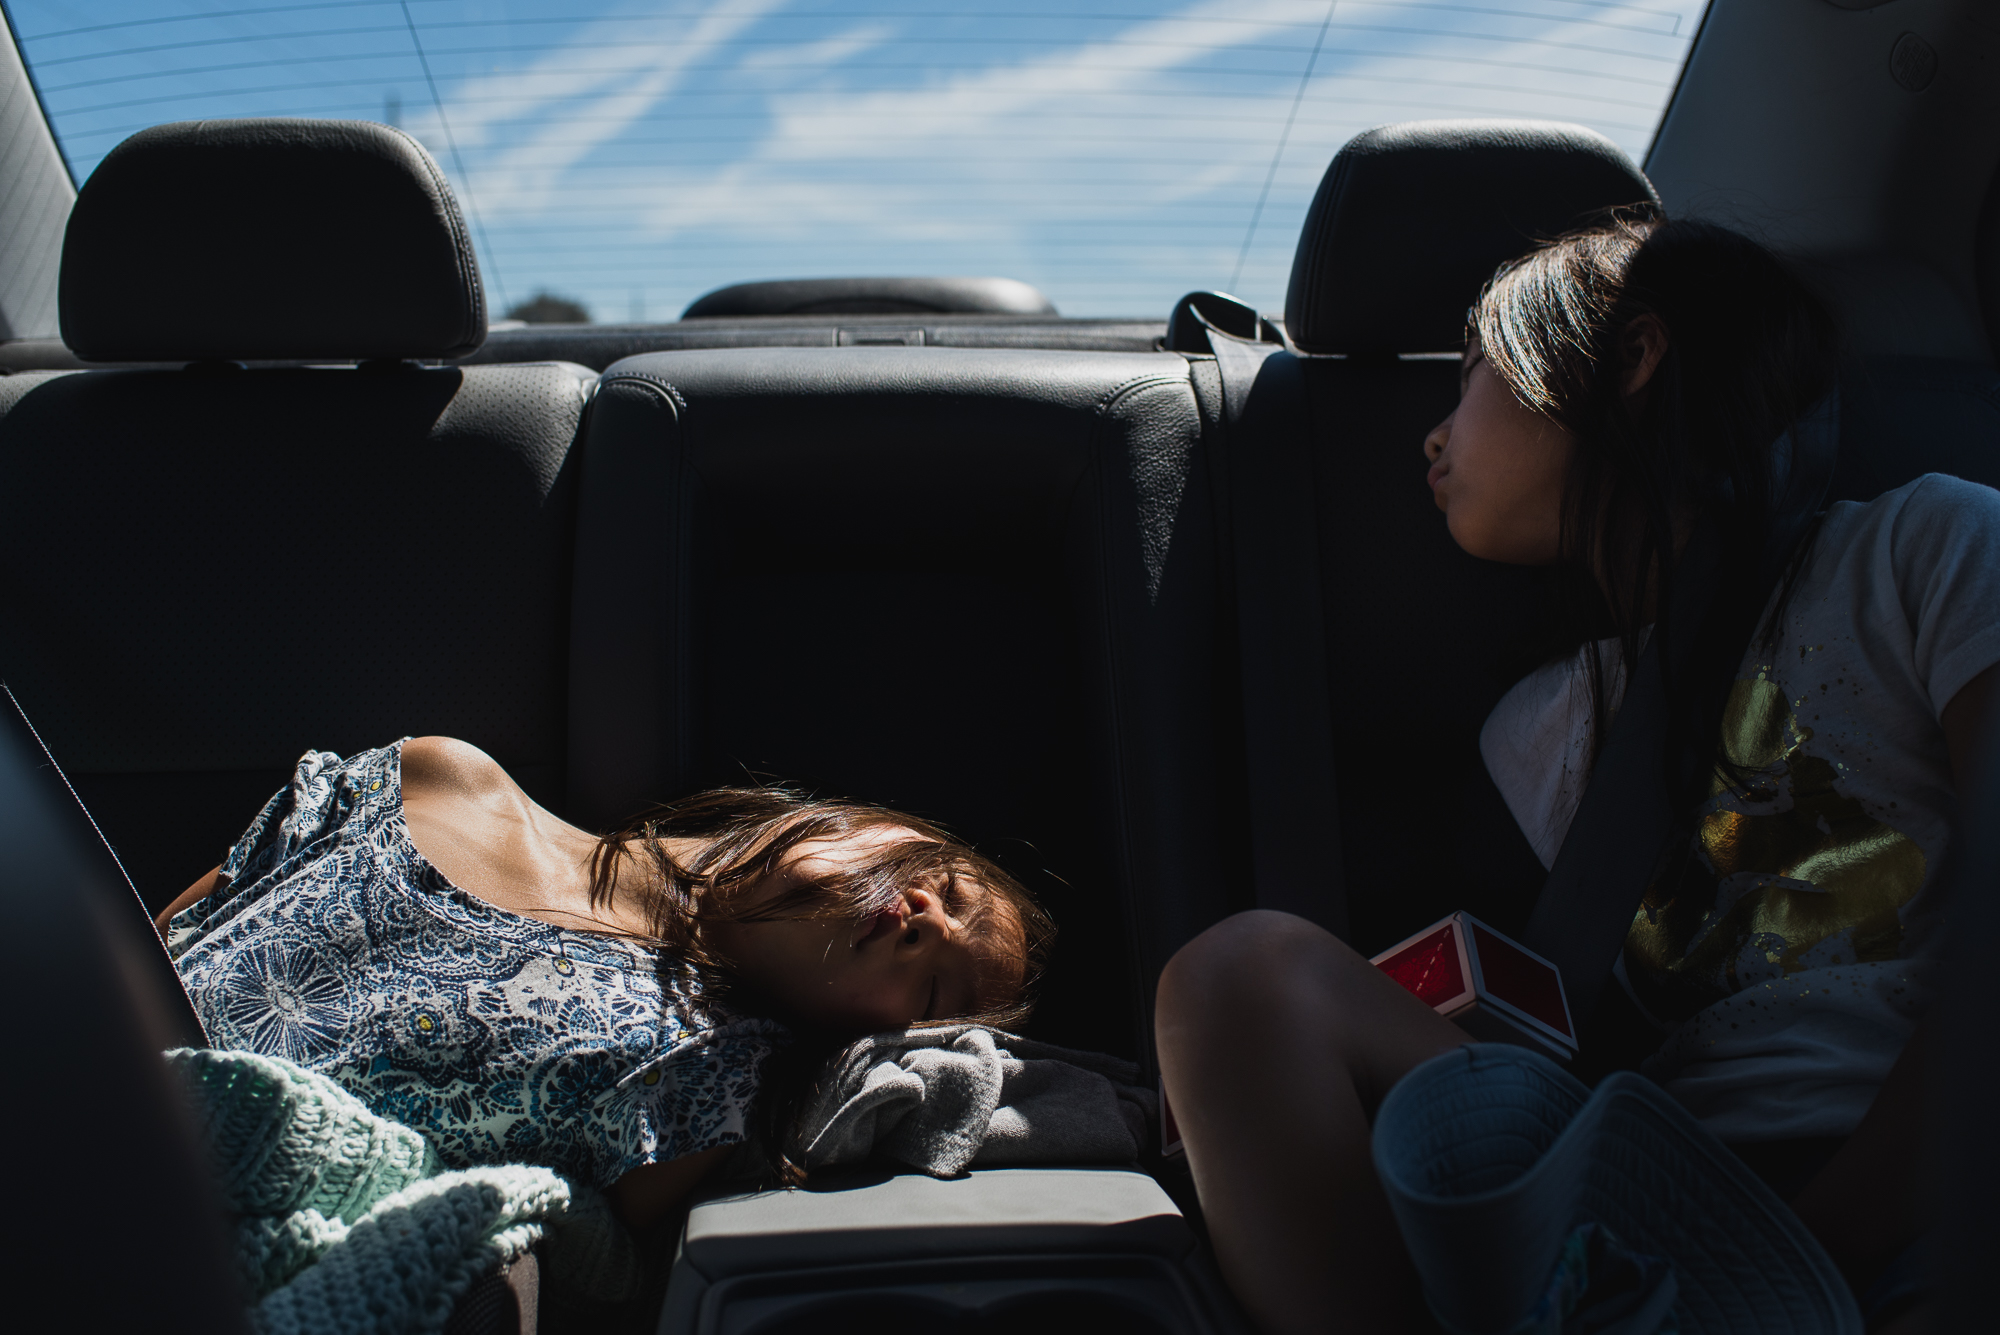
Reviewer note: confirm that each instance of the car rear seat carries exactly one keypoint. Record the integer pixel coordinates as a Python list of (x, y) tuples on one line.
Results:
[(979, 585), (206, 571), (984, 585), (1421, 639), (814, 514)]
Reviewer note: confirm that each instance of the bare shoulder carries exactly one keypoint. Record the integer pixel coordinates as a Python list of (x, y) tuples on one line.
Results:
[(441, 766), (473, 823)]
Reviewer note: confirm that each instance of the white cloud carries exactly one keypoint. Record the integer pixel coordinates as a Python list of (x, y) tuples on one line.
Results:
[(1073, 143), (1062, 105), (588, 90), (925, 122), (820, 54)]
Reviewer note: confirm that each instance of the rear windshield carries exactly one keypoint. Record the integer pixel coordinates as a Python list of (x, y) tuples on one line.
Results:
[(624, 158)]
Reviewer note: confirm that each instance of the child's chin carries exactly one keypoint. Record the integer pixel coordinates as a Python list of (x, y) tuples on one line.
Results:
[(1470, 537)]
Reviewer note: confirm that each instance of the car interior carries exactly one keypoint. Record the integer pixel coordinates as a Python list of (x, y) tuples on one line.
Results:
[(1153, 611)]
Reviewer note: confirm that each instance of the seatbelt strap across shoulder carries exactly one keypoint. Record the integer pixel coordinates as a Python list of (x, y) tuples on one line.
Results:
[(1615, 843), (1626, 822)]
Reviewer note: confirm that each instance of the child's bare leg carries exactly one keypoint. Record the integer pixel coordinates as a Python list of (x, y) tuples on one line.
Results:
[(1277, 1043)]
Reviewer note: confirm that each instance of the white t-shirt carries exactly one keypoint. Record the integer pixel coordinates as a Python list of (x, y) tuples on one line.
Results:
[(1791, 962)]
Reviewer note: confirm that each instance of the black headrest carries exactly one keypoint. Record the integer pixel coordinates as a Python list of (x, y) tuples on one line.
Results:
[(268, 240), (1412, 219)]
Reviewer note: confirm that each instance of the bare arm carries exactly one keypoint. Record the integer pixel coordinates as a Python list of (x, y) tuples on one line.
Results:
[(1963, 721), (1869, 1203), (194, 894), (647, 1195)]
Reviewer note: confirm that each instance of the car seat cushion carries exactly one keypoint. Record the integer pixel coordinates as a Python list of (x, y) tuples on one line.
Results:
[(1411, 219), (269, 239), (202, 575)]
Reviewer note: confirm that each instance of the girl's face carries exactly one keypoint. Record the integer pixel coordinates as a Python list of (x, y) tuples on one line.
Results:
[(1497, 470), (912, 962)]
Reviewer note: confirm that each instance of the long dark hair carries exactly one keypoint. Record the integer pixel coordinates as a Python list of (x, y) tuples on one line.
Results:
[(739, 837), (1750, 351)]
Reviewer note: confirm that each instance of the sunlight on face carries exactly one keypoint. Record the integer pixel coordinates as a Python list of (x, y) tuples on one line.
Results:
[(913, 961), (1497, 470)]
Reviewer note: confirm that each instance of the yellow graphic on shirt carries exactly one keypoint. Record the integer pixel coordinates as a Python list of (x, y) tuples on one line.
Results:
[(1781, 866)]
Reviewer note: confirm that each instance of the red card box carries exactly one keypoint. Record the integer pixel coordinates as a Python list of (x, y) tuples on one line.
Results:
[(1493, 988)]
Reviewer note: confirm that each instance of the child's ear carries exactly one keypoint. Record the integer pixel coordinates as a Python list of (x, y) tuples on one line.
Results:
[(1641, 347)]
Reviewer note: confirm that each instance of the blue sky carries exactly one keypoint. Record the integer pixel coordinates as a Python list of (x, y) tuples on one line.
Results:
[(634, 155)]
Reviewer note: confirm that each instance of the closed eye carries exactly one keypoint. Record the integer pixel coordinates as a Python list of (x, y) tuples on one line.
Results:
[(930, 1008)]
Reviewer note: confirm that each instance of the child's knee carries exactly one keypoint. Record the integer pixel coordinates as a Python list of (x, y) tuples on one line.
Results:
[(1245, 964)]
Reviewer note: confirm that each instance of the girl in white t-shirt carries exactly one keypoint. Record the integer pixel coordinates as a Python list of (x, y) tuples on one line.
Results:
[(1622, 388)]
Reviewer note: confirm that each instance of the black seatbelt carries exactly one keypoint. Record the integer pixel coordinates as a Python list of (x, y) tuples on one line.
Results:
[(1626, 823), (1273, 527), (1622, 829)]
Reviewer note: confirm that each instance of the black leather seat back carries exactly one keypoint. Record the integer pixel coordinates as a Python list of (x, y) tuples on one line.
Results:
[(976, 585), (126, 1232), (206, 571), (1422, 640), (205, 575)]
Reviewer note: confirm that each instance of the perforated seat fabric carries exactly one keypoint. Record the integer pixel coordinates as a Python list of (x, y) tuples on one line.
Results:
[(203, 574), (977, 585)]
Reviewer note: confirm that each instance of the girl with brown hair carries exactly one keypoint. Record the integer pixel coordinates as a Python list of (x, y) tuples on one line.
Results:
[(1629, 392), (627, 1008)]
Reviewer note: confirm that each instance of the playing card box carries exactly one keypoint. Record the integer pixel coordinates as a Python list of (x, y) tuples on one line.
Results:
[(1493, 988)]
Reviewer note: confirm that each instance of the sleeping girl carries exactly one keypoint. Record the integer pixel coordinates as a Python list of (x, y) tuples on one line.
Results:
[(409, 923)]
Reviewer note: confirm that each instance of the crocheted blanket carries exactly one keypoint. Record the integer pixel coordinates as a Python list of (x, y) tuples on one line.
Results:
[(347, 1224)]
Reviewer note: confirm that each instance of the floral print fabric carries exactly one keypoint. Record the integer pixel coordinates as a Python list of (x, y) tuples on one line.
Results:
[(503, 1039)]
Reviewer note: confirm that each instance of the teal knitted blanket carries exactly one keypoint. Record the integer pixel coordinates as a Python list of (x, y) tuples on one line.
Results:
[(347, 1224)]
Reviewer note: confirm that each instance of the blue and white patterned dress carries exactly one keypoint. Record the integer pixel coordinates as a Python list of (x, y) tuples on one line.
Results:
[(501, 1038)]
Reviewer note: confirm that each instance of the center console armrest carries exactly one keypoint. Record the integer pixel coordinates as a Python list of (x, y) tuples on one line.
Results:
[(997, 1248)]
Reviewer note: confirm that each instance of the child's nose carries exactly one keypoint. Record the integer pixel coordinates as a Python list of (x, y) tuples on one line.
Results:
[(1435, 442)]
